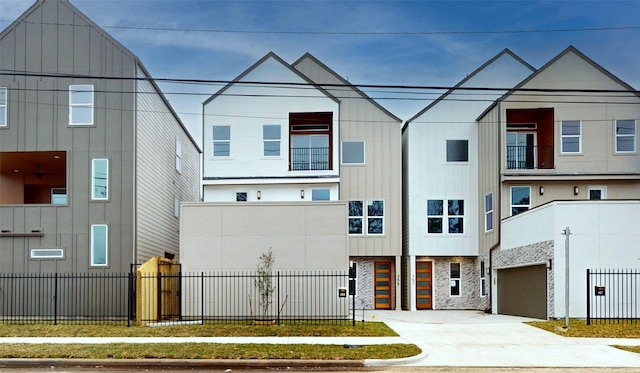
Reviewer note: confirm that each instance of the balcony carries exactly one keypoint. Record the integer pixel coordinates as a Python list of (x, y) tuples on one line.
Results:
[(529, 157), (310, 159)]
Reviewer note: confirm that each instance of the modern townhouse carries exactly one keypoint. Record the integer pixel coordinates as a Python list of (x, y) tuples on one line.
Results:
[(94, 162), (558, 151), (440, 191), (296, 164)]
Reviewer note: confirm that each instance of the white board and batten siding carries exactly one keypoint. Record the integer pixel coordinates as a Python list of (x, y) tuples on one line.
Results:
[(158, 183)]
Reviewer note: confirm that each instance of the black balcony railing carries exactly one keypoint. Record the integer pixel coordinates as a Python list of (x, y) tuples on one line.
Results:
[(526, 157), (309, 159)]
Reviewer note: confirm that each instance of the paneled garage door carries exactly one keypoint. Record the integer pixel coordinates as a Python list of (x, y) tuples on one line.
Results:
[(522, 291)]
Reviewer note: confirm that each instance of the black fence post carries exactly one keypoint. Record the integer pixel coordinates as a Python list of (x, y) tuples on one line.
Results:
[(202, 297), (278, 297), (588, 298), (55, 300)]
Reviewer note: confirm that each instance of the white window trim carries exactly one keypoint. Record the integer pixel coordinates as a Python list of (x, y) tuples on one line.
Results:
[(264, 141), (634, 136), (483, 279), (106, 245), (79, 87), (572, 136), (511, 205), (365, 218), (33, 253), (362, 217), (93, 178), (445, 218), (364, 153), (3, 119), (213, 142), (458, 279), (178, 156), (489, 212), (601, 188)]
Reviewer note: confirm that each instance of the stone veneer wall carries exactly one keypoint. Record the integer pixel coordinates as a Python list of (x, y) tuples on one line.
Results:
[(365, 282), (528, 255), (469, 284)]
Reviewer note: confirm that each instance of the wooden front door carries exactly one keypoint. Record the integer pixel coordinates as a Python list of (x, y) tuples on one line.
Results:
[(383, 285), (423, 285)]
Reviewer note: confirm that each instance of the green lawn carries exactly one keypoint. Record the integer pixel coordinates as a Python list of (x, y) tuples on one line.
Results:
[(579, 328), (203, 350)]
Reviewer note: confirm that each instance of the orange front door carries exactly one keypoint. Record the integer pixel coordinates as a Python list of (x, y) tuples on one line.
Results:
[(383, 285), (423, 285)]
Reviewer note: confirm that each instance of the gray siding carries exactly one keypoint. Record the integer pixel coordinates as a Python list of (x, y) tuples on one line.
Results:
[(489, 176), (158, 182)]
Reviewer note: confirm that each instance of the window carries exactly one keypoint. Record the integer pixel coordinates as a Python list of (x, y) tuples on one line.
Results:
[(520, 199), (221, 141), (488, 212), (457, 150), (597, 193), (571, 136), (310, 141), (374, 217), (625, 136), (176, 207), (100, 179), (3, 106), (47, 254), (59, 196), (271, 137), (454, 277), (178, 156), (353, 152), (483, 280), (453, 215), (80, 105), (99, 244), (320, 194), (241, 196)]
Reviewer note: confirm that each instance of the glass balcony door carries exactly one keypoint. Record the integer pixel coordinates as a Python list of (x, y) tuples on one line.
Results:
[(310, 152), (521, 150)]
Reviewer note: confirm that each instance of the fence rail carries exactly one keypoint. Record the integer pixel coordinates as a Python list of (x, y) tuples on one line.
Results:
[(169, 298), (613, 296)]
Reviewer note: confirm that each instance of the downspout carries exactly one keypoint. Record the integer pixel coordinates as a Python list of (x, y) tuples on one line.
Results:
[(135, 164), (499, 199)]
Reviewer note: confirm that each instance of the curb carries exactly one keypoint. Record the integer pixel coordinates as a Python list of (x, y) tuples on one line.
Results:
[(176, 363), (392, 362)]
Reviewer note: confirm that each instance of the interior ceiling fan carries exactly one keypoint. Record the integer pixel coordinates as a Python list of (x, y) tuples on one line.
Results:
[(39, 174)]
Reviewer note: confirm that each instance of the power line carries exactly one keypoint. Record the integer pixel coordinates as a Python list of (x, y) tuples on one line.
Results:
[(346, 33)]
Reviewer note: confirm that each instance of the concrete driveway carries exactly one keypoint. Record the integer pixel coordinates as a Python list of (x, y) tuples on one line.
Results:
[(473, 338)]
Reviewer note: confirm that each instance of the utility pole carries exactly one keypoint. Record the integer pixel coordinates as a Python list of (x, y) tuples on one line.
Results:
[(566, 233)]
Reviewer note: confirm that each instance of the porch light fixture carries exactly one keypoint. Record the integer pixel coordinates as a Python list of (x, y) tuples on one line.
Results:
[(576, 190), (259, 195), (302, 193), (541, 190)]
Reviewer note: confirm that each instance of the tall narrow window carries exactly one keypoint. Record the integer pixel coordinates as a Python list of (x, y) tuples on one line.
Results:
[(455, 212), (356, 217), (488, 212), (100, 179), (99, 244), (178, 156), (271, 136), (626, 136), (483, 280), (375, 217), (520, 199), (353, 152), (3, 106), (571, 133), (176, 207), (221, 141), (80, 105), (454, 279)]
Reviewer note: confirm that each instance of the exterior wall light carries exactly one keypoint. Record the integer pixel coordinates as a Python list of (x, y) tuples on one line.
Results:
[(302, 193), (541, 190), (259, 195), (576, 190)]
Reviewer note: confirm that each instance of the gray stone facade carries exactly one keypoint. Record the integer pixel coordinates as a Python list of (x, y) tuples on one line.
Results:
[(536, 253), (469, 297), (365, 282)]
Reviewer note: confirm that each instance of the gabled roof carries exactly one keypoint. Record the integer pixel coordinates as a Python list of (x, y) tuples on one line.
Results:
[(260, 62), (505, 51), (346, 83), (570, 49)]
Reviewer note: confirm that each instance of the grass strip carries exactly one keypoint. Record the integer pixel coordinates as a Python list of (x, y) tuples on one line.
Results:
[(368, 329), (206, 351), (579, 328), (635, 349)]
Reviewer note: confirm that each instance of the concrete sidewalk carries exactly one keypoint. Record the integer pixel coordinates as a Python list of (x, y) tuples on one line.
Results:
[(447, 338)]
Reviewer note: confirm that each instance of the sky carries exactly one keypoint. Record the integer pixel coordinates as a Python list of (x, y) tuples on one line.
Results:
[(373, 42)]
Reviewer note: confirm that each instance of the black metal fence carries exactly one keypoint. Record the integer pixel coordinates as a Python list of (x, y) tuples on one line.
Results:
[(613, 296), (170, 298)]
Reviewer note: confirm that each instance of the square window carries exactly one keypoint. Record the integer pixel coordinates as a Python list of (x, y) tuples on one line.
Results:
[(453, 216), (571, 134), (241, 196), (373, 216), (353, 152), (59, 196), (626, 136), (81, 105), (221, 141), (457, 150)]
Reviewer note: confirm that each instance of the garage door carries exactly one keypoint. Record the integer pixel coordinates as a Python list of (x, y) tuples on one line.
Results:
[(522, 291)]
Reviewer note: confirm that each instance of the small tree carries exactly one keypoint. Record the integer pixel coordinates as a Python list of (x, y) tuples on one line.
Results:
[(264, 280)]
